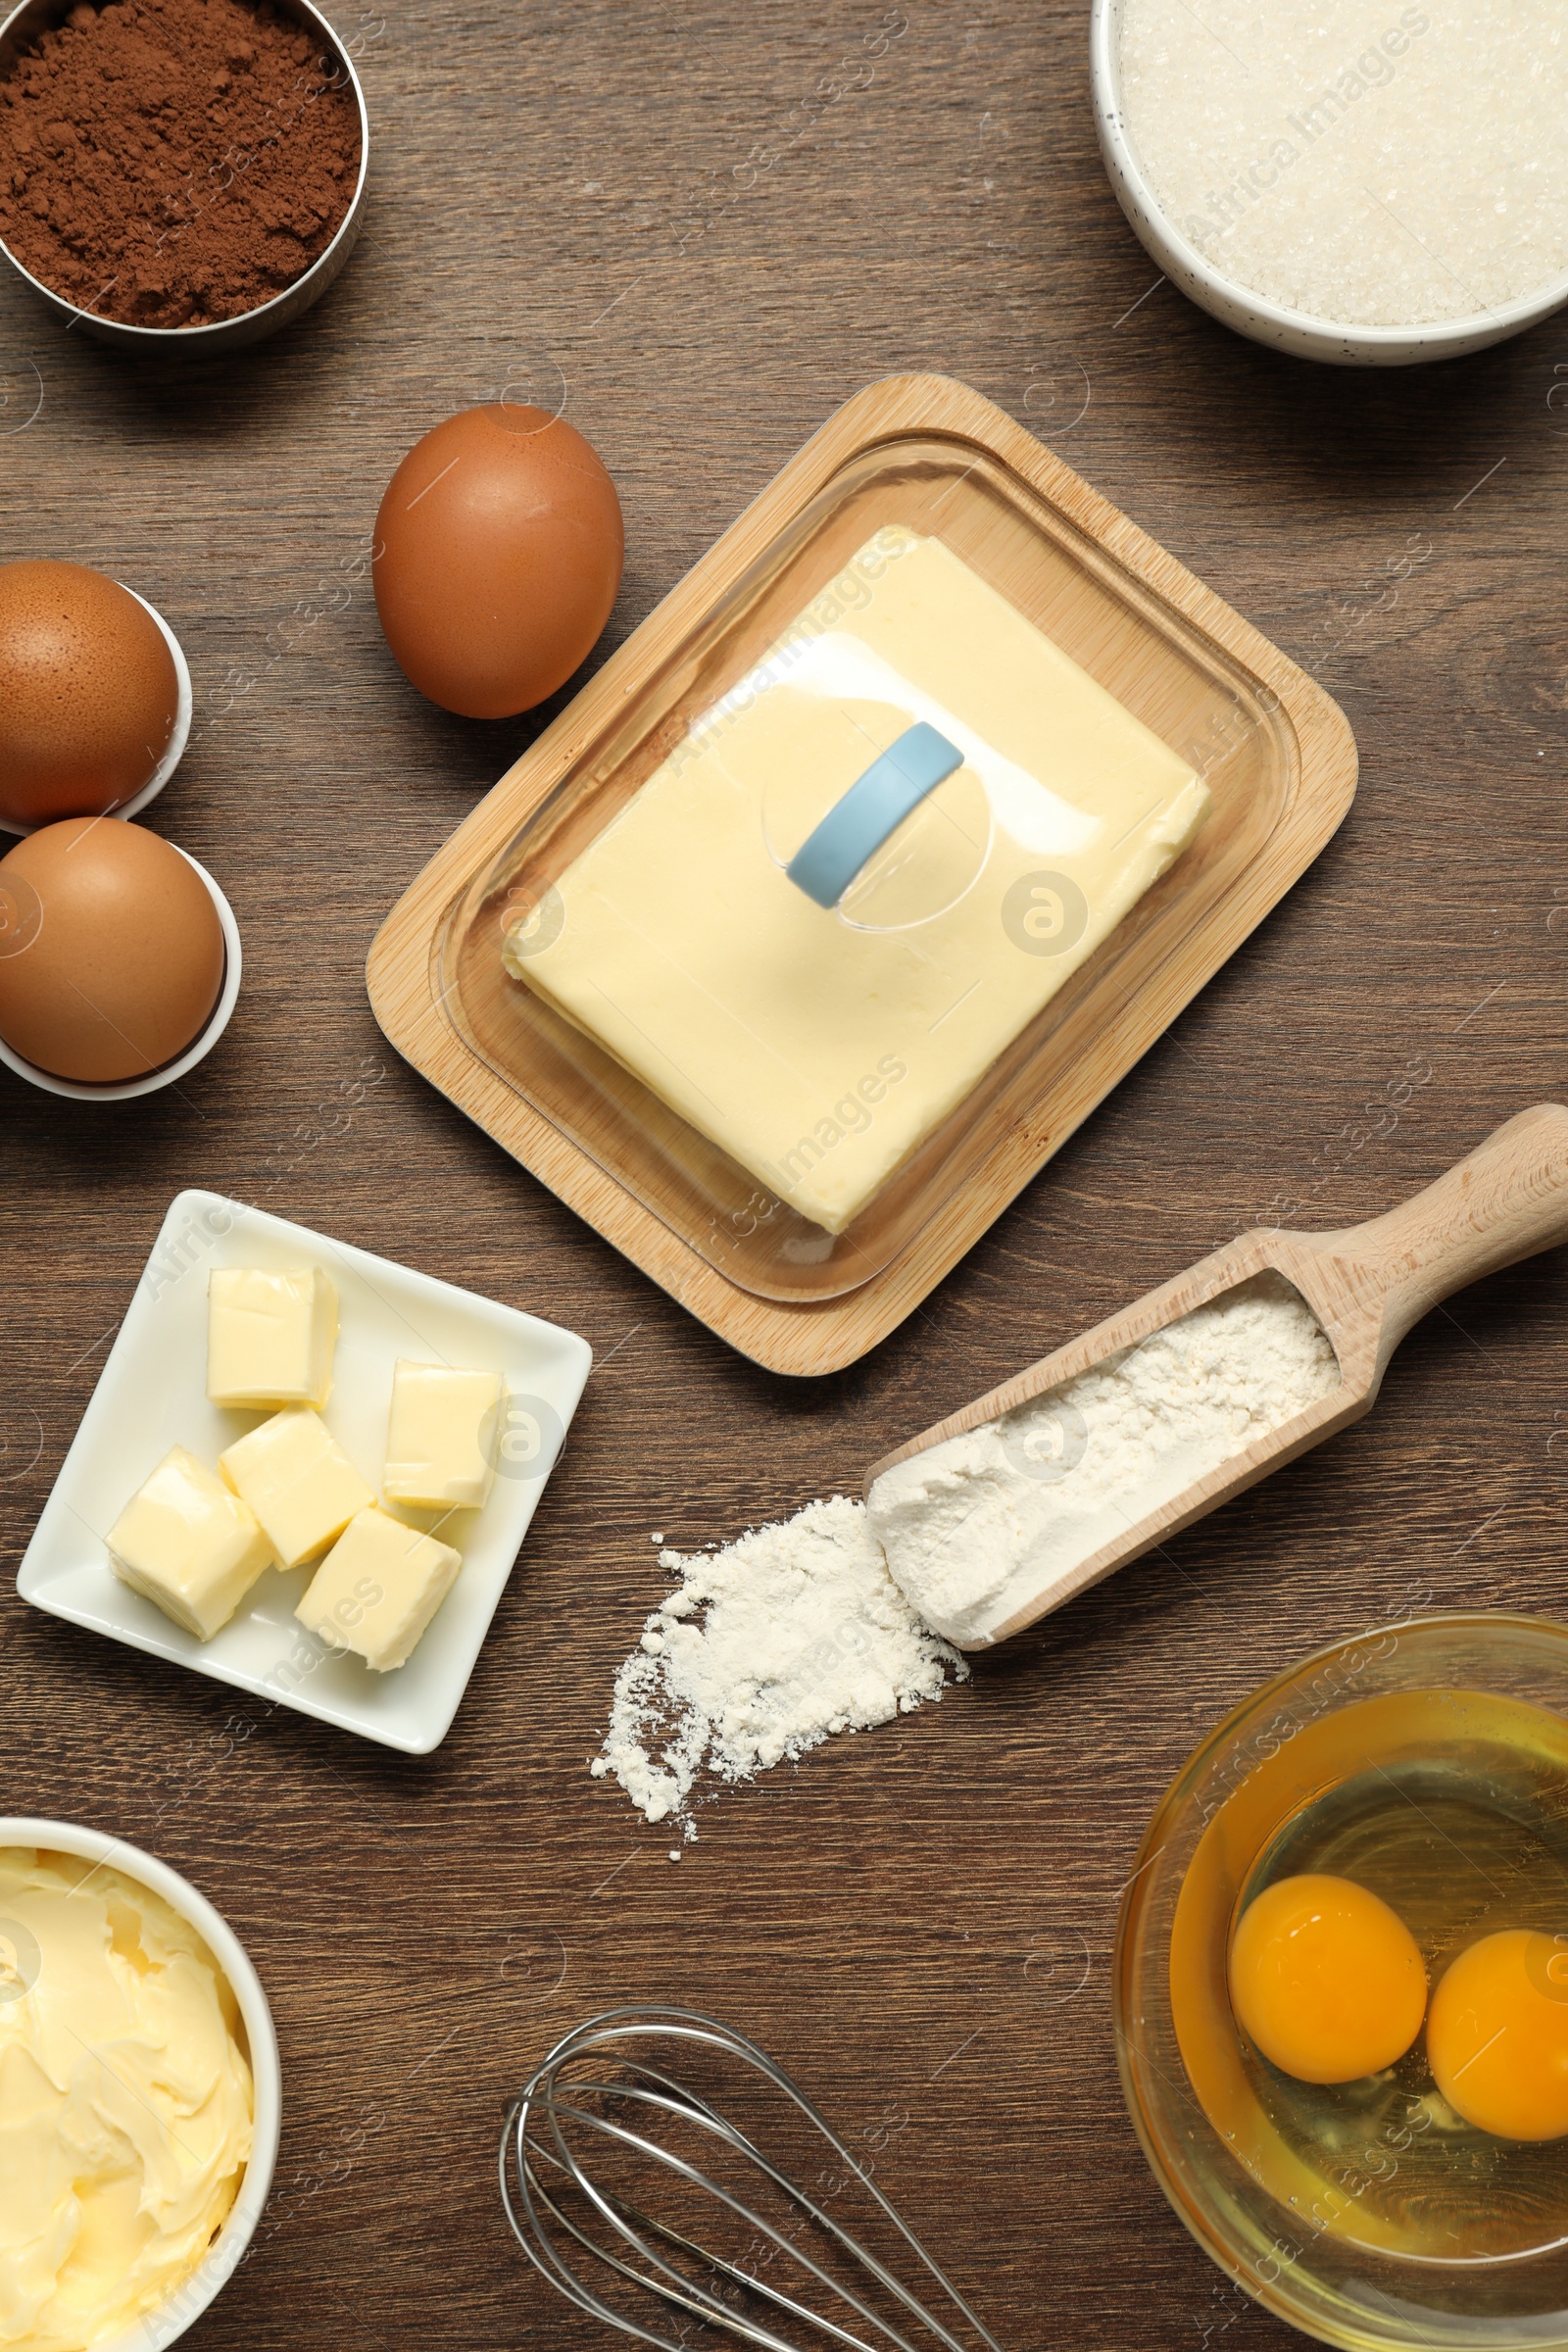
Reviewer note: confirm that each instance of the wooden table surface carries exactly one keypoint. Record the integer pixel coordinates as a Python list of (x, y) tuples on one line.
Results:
[(906, 1917)]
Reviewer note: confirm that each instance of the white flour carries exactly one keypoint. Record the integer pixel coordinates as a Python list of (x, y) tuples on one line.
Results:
[(991, 1514), (765, 1649)]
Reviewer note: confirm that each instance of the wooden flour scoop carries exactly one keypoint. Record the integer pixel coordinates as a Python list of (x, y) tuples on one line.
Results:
[(1367, 1284)]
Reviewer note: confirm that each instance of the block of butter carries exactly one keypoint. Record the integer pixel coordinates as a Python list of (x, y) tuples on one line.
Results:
[(441, 1437), (271, 1335), (816, 1052), (296, 1478), (189, 1545), (378, 1587)]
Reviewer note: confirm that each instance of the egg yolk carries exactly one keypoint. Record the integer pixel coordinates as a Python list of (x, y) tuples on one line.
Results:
[(1326, 1979), (1498, 2037)]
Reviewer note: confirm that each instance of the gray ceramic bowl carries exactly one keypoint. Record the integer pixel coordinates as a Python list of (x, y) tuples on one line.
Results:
[(33, 16)]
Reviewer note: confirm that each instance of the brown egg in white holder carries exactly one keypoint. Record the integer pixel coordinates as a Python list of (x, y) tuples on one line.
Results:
[(14, 918), (173, 751)]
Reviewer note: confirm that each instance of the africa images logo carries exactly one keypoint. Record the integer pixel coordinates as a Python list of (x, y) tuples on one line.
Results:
[(19, 1962), (1311, 121), (523, 1435), (853, 1114), (1045, 913), (20, 916)]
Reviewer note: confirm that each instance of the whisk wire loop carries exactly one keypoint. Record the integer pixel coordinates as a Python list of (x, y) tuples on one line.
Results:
[(674, 2238), (545, 2257), (536, 2135), (746, 2212), (674, 2287)]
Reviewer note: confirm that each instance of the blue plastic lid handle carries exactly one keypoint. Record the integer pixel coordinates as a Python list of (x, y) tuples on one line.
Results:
[(874, 806)]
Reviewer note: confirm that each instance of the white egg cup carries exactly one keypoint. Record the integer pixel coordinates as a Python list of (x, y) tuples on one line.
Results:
[(1251, 314), (158, 2328), (184, 708), (122, 1089)]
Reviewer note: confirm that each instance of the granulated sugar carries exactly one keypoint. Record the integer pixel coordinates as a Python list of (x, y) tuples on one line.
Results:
[(971, 1526), (1367, 163), (764, 1650)]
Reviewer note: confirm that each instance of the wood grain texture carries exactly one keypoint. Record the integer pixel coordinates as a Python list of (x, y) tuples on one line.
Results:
[(1129, 993), (921, 1916)]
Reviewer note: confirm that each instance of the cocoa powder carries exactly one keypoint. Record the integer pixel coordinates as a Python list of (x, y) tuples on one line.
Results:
[(170, 163)]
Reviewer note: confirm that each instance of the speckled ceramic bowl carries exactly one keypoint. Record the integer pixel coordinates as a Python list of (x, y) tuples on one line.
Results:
[(1236, 306)]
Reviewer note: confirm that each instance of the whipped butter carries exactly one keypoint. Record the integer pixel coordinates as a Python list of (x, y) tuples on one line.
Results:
[(818, 1050), (125, 2101)]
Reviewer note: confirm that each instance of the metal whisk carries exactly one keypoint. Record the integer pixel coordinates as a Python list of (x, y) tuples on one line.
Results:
[(580, 2165)]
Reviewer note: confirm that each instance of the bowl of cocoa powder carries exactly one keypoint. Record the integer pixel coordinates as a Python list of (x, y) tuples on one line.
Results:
[(179, 172)]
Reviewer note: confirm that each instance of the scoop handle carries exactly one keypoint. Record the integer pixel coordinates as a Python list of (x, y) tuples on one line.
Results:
[(1507, 1200)]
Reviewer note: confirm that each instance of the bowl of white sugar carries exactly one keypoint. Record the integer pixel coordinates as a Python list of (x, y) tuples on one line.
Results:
[(1362, 181)]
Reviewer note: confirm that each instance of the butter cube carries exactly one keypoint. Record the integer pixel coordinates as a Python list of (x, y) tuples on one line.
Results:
[(188, 1544), (270, 1336), (440, 1440), (378, 1588), (298, 1481)]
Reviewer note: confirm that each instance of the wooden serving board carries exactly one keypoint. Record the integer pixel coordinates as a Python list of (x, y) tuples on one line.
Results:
[(822, 1337)]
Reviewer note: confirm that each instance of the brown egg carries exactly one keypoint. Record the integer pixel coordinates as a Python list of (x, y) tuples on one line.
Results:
[(110, 951), (88, 693), (499, 548)]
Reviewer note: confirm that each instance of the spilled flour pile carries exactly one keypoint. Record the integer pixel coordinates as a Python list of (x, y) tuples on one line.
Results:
[(764, 1650)]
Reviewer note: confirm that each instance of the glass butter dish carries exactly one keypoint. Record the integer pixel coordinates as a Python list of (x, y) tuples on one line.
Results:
[(853, 880)]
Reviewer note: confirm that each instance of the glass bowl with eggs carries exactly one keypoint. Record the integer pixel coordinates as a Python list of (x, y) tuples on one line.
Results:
[(1340, 1989)]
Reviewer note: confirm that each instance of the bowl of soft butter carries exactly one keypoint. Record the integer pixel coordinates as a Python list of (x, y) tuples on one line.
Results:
[(124, 1995)]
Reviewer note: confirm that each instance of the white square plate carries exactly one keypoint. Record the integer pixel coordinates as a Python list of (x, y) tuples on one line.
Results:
[(153, 1395)]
